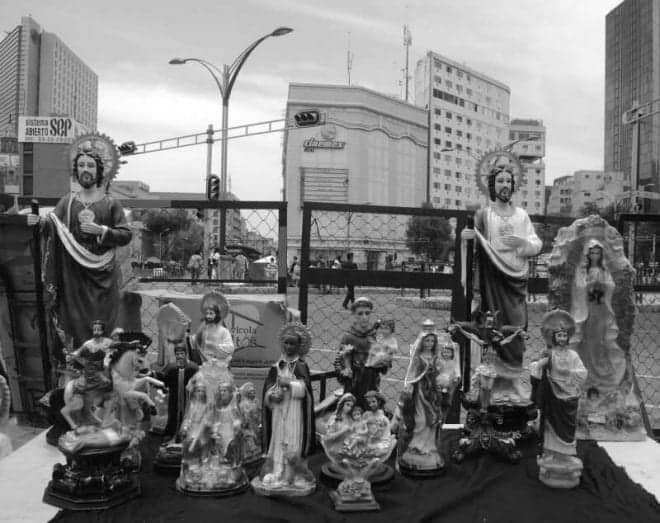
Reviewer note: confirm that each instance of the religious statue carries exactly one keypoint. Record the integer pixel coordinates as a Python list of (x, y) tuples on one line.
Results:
[(175, 376), (561, 376), (288, 419), (213, 339), (104, 407), (432, 376), (357, 442), (386, 347), (590, 277), (211, 464), (82, 233), (252, 427), (355, 346), (505, 240)]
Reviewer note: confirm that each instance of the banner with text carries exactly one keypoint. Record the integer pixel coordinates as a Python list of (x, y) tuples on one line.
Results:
[(49, 129)]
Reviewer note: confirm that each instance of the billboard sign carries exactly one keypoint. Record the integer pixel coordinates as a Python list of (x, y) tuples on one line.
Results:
[(48, 129)]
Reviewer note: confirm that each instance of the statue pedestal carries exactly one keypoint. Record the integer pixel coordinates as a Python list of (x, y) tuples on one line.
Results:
[(354, 495), (560, 472), (168, 458), (93, 479), (379, 478), (496, 431), (418, 470)]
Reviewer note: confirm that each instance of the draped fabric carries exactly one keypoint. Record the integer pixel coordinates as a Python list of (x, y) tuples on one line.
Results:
[(80, 274)]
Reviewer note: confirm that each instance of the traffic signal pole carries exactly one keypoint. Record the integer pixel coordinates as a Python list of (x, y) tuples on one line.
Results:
[(209, 152)]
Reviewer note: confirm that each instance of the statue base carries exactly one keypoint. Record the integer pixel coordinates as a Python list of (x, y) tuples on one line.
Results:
[(93, 479), (418, 472), (253, 466), (496, 431), (560, 471), (168, 458), (282, 491), (380, 478), (212, 493), (354, 495)]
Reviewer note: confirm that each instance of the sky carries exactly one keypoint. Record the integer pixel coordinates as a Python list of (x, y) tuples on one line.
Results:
[(551, 55)]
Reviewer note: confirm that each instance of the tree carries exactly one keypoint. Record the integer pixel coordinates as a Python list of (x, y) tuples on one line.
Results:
[(429, 236)]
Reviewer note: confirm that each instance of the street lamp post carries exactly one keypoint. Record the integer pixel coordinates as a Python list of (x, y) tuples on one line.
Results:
[(225, 79)]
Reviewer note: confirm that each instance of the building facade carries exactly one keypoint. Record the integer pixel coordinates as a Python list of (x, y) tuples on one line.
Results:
[(469, 115), (372, 149), (528, 139), (41, 76), (571, 194), (632, 74)]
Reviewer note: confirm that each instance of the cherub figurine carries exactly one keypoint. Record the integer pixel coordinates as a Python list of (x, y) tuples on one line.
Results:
[(386, 347), (561, 376), (288, 417)]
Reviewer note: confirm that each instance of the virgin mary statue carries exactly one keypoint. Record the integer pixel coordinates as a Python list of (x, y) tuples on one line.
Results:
[(596, 326)]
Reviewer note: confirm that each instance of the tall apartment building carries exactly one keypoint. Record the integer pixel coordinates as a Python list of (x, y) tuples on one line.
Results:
[(469, 116), (632, 74), (529, 146), (41, 76)]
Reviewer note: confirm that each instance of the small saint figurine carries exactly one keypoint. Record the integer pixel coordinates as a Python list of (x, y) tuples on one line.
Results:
[(288, 418), (252, 428), (213, 339), (561, 376), (355, 345), (386, 347), (175, 376), (211, 464), (86, 393), (425, 399)]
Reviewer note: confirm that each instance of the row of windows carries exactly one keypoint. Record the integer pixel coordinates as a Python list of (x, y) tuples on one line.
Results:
[(457, 100)]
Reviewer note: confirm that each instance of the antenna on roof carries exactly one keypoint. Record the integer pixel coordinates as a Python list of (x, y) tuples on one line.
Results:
[(349, 59), (407, 42)]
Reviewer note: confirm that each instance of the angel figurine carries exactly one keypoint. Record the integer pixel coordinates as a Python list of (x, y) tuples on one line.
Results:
[(561, 376)]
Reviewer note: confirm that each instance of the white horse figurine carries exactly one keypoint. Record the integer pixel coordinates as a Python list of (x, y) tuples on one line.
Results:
[(125, 366)]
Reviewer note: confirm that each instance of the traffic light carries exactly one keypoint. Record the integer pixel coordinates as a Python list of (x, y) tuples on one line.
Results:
[(127, 148), (213, 187), (308, 118)]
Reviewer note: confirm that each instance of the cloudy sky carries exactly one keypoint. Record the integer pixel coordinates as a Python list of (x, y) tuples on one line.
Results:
[(551, 54)]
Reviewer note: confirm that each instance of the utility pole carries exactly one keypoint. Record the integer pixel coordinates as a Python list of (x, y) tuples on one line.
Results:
[(407, 42)]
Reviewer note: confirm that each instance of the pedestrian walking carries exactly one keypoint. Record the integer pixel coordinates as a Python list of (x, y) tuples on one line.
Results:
[(350, 289), (195, 266)]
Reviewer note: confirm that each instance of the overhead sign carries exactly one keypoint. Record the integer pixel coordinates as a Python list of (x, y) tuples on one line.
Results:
[(48, 129)]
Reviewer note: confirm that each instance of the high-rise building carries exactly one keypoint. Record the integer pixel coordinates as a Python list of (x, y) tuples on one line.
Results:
[(528, 143), (632, 74), (469, 115), (41, 76), (571, 194)]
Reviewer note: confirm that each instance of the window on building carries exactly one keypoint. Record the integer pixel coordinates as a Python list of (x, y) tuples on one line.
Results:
[(448, 144), (448, 115), (448, 69), (468, 122), (447, 172), (459, 188), (459, 132), (459, 118), (449, 84), (437, 141), (438, 112), (459, 147), (458, 203), (448, 130), (436, 185), (447, 202), (469, 136), (437, 156), (437, 79), (458, 175), (524, 204), (537, 182), (459, 73), (437, 127), (459, 88), (447, 158), (458, 161), (447, 187)]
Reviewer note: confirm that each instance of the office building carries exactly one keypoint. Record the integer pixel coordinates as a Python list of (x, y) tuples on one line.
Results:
[(41, 76), (469, 115), (528, 139), (632, 74), (372, 149), (571, 194)]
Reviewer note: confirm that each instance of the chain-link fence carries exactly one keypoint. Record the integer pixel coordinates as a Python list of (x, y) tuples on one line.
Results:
[(385, 246), (641, 241)]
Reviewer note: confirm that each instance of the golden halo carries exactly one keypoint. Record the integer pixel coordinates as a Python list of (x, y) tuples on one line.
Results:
[(299, 330), (492, 159), (101, 145)]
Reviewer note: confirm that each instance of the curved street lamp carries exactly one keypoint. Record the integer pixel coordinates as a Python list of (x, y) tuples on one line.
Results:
[(225, 79)]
